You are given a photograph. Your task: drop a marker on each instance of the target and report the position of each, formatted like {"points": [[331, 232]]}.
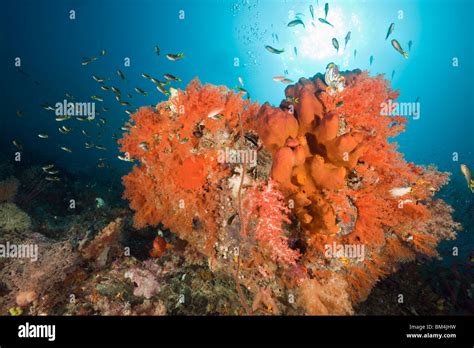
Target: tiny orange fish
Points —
{"points": [[159, 247]]}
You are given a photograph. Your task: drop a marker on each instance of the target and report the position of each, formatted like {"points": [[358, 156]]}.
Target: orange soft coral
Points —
{"points": [[341, 183], [343, 180], [176, 144]]}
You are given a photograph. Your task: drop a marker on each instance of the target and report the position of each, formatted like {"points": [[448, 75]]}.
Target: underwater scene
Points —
{"points": [[236, 157]]}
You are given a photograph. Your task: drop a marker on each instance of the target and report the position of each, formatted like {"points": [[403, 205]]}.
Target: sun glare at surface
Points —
{"points": [[315, 41]]}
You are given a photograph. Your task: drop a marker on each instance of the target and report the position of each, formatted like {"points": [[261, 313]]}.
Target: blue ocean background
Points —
{"points": [[223, 40]]}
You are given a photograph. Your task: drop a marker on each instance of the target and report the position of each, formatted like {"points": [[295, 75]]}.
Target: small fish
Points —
{"points": [[326, 10], [293, 100], [105, 109], [64, 148], [98, 79], [47, 167], [102, 120], [115, 90], [120, 74], [467, 175], [399, 48], [347, 38], [240, 89], [129, 95], [174, 57], [96, 97], [274, 50], [355, 53], [52, 172], [61, 118], [17, 145], [216, 117], [129, 112], [47, 107], [400, 191], [101, 147], [296, 22], [335, 44], [241, 81], [157, 50], [393, 74], [124, 158], [170, 77], [43, 136], [125, 103], [64, 129], [24, 73], [390, 30], [322, 20], [88, 145], [52, 178], [144, 146], [371, 60], [311, 10], [158, 82], [162, 90], [287, 81], [146, 76], [88, 61], [85, 133], [296, 51], [410, 43], [103, 52], [105, 88], [278, 78], [215, 112], [118, 98]]}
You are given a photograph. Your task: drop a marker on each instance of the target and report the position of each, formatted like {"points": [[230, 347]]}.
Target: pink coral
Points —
{"points": [[265, 204]]}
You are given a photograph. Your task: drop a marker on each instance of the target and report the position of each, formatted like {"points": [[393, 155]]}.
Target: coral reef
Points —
{"points": [[340, 171], [8, 189], [179, 175], [13, 219], [98, 249], [29, 281], [327, 176]]}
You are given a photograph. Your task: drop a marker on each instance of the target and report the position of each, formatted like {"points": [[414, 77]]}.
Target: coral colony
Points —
{"points": [[328, 208]]}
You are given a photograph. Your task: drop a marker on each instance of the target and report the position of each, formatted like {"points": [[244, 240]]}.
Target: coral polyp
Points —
{"points": [[328, 209]]}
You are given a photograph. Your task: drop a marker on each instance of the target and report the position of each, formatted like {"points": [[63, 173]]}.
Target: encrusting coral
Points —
{"points": [[99, 248], [336, 179], [8, 189], [13, 219]]}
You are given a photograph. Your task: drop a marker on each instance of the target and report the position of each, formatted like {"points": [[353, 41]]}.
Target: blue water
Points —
{"points": [[214, 35]]}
